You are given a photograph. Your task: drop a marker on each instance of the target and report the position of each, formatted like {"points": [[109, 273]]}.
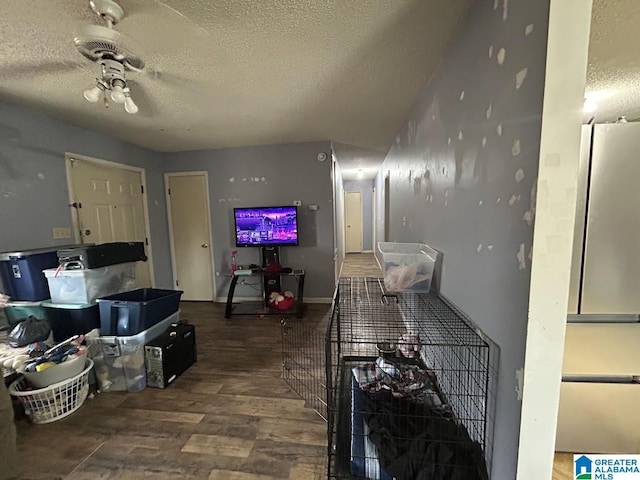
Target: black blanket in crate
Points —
{"points": [[417, 442], [415, 435]]}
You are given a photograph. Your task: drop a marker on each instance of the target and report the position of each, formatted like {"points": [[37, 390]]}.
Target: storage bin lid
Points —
{"points": [[23, 304], [5, 256], [68, 306], [140, 338], [406, 248]]}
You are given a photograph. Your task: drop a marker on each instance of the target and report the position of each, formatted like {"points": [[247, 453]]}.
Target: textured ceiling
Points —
{"points": [[613, 75], [226, 73]]}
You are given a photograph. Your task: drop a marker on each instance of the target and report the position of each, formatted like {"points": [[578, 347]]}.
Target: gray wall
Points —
{"points": [[365, 187], [34, 196], [462, 176], [269, 175]]}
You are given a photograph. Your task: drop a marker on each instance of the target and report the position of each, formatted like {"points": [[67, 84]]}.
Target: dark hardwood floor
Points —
{"points": [[231, 416]]}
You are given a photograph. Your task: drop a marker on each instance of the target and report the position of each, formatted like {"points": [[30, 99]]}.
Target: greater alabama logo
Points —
{"points": [[607, 467]]}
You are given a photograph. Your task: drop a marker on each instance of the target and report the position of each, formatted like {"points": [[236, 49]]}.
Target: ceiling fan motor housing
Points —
{"points": [[98, 43], [113, 72]]}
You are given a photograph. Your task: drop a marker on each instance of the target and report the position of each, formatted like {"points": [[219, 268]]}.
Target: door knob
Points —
{"points": [[87, 232], [205, 245]]}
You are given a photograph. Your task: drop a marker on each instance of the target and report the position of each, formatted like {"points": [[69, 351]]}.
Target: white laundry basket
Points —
{"points": [[56, 401]]}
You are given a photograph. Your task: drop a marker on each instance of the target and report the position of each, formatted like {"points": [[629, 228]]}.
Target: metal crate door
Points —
{"points": [[304, 364]]}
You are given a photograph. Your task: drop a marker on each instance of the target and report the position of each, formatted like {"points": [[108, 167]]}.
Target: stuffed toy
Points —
{"points": [[281, 300]]}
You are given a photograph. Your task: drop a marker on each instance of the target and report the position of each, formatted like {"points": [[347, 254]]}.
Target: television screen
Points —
{"points": [[264, 226]]}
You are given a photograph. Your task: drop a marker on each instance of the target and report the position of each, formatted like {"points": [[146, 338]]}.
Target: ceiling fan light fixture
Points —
{"points": [[130, 106], [93, 94], [117, 94], [108, 48]]}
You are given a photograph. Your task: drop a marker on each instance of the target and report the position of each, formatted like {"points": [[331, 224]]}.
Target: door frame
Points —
{"points": [[68, 159], [174, 269], [374, 210], [361, 221], [387, 207]]}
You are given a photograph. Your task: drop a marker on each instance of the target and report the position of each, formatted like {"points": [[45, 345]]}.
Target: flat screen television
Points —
{"points": [[266, 226]]}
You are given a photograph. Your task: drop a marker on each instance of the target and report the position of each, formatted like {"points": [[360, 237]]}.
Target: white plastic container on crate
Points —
{"points": [[85, 286], [119, 361], [408, 267]]}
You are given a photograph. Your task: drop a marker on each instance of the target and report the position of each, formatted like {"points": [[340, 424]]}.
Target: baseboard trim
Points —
{"points": [[257, 299], [239, 299], [367, 251]]}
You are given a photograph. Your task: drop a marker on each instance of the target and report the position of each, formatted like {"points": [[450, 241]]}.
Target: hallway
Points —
{"points": [[360, 265]]}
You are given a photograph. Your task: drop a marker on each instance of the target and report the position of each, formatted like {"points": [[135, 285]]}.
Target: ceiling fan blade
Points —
{"points": [[9, 134], [20, 70], [169, 78], [7, 167]]}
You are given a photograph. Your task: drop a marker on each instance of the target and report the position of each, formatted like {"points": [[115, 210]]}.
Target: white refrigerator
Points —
{"points": [[600, 392]]}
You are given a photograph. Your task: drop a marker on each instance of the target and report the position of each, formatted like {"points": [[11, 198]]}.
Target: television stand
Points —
{"points": [[270, 282], [262, 307]]}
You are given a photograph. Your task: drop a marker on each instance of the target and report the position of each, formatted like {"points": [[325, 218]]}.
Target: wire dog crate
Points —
{"points": [[409, 385]]}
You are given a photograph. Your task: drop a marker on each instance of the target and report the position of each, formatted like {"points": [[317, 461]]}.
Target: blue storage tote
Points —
{"points": [[22, 275], [129, 313], [67, 320]]}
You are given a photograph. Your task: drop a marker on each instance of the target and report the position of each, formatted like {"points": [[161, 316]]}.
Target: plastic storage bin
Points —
{"points": [[19, 311], [22, 275], [67, 320], [70, 368], [132, 312], [85, 286], [408, 267], [119, 361]]}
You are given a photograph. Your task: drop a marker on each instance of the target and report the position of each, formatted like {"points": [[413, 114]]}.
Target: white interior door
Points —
{"points": [[353, 221], [110, 207], [190, 232]]}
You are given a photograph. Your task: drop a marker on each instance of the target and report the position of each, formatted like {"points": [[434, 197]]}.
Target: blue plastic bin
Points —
{"points": [[129, 313], [67, 320], [22, 275]]}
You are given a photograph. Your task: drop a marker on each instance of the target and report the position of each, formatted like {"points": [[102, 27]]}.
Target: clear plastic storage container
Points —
{"points": [[85, 286], [119, 361], [408, 267]]}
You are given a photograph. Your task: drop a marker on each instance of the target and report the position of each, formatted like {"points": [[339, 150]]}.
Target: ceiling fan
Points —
{"points": [[109, 48]]}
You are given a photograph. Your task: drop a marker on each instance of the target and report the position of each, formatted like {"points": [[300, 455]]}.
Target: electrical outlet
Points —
{"points": [[297, 203], [313, 206], [61, 232]]}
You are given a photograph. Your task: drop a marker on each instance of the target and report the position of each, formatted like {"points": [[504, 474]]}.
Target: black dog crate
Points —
{"points": [[406, 383]]}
